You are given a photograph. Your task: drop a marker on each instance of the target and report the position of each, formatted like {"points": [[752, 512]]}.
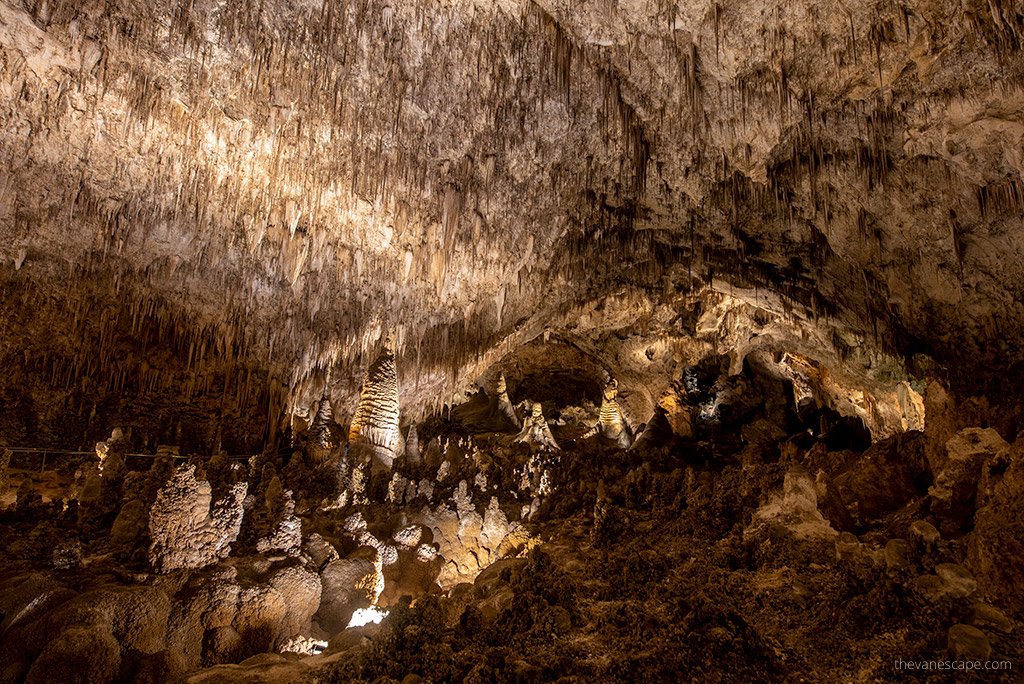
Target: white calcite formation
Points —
{"points": [[467, 540]]}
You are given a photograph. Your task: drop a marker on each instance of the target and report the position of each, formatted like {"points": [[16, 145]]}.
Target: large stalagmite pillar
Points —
{"points": [[610, 423], [501, 405], [321, 442], [375, 425]]}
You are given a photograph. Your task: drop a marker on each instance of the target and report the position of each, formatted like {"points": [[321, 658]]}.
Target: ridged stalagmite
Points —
{"points": [[321, 442], [610, 423], [375, 424]]}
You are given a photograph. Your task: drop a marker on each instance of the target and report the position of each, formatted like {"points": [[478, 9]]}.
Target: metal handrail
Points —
{"points": [[45, 452]]}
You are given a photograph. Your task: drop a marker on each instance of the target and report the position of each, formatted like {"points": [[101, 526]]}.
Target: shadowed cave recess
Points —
{"points": [[511, 341]]}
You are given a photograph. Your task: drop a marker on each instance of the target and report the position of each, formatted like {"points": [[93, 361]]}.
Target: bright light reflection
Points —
{"points": [[364, 616]]}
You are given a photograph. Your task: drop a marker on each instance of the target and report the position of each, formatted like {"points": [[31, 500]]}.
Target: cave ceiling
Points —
{"points": [[277, 185]]}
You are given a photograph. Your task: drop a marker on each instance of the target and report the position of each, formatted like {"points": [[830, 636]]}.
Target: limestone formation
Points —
{"points": [[794, 510], [129, 524], [302, 591], [793, 233], [996, 545], [957, 475], [319, 550], [610, 424], [375, 424], [412, 446], [501, 406], [321, 441], [348, 584], [468, 541], [677, 410], [535, 430], [656, 432], [911, 407], [189, 530], [284, 532]]}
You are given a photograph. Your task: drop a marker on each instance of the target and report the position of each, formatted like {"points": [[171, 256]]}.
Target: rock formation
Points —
{"points": [[501, 406], [610, 424], [189, 530], [535, 429], [375, 424], [791, 232], [321, 441], [283, 527]]}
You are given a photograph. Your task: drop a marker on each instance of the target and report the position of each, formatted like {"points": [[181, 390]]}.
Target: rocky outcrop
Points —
{"points": [[958, 473], [890, 474], [189, 530], [996, 548], [794, 510]]}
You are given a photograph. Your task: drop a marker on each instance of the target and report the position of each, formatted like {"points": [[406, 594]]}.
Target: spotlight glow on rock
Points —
{"points": [[365, 616]]}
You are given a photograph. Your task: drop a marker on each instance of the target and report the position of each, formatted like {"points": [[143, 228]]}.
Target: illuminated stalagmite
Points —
{"points": [[374, 428], [610, 423], [536, 431]]}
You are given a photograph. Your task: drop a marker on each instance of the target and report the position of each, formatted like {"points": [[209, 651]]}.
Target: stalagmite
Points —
{"points": [[610, 424], [374, 431], [321, 441], [535, 429], [412, 446], [500, 405]]}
